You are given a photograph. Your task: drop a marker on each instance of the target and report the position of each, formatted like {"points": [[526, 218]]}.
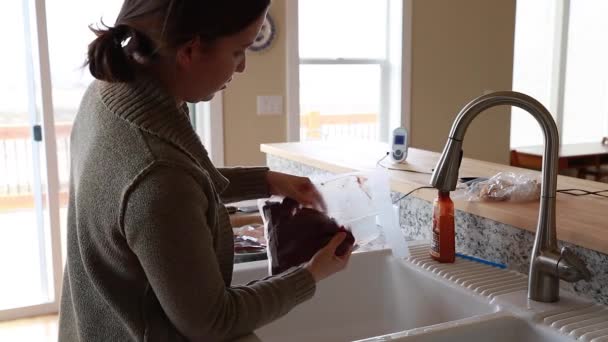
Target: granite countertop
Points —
{"points": [[580, 220]]}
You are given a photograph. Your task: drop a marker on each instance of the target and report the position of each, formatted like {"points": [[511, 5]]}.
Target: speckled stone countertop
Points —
{"points": [[579, 220], [477, 236]]}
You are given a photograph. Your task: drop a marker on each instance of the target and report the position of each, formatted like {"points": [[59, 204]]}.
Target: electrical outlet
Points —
{"points": [[270, 105]]}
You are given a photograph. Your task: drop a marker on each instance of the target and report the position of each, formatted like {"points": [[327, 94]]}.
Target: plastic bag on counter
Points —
{"points": [[504, 186], [358, 202]]}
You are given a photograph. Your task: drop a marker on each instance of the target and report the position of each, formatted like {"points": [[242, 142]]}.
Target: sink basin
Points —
{"points": [[383, 298], [376, 295], [495, 328]]}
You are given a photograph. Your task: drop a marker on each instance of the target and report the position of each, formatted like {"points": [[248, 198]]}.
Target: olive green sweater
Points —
{"points": [[150, 247]]}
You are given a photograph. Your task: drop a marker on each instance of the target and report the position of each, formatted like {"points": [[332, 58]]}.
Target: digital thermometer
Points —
{"points": [[399, 144]]}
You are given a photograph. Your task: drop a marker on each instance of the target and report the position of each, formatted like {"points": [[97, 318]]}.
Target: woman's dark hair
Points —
{"points": [[119, 52]]}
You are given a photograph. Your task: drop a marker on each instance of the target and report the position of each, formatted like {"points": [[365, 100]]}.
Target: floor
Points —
{"points": [[38, 329]]}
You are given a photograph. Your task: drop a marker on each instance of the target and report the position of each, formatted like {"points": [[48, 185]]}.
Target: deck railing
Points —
{"points": [[17, 165], [317, 126]]}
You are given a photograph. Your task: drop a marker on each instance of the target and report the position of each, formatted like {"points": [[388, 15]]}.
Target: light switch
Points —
{"points": [[270, 105]]}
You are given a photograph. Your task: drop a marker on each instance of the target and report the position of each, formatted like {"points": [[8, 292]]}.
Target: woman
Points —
{"points": [[150, 249]]}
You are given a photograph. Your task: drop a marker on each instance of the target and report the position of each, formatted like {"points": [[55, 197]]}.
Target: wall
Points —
{"points": [[459, 49], [265, 74]]}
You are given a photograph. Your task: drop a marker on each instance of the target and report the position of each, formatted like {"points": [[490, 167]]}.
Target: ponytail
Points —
{"points": [[107, 59]]}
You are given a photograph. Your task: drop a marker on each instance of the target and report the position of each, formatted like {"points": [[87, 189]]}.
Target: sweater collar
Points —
{"points": [[145, 104]]}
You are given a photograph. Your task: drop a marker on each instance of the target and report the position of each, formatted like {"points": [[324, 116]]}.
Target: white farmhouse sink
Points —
{"points": [[495, 328], [377, 294], [382, 298]]}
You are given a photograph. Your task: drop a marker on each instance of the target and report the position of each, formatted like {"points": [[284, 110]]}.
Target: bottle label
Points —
{"points": [[435, 244]]}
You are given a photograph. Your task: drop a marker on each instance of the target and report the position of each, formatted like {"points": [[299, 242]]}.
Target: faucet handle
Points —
{"points": [[570, 267]]}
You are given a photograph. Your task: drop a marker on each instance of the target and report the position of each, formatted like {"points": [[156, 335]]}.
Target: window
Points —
{"points": [[585, 116], [349, 58], [561, 59]]}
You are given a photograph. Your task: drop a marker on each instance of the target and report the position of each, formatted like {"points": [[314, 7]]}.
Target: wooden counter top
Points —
{"points": [[582, 220]]}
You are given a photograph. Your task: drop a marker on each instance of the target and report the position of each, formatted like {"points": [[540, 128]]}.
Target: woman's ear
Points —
{"points": [[188, 53]]}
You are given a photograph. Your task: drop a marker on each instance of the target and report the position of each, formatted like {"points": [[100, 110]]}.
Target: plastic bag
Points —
{"points": [[359, 201], [505, 186], [295, 234], [350, 201], [249, 239]]}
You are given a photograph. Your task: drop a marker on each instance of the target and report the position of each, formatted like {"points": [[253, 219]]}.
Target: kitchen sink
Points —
{"points": [[383, 298], [495, 328], [377, 294]]}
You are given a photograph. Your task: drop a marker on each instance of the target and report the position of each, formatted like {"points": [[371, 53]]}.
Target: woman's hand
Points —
{"points": [[325, 262], [300, 189]]}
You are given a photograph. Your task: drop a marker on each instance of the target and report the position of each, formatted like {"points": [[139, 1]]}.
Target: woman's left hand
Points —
{"points": [[300, 189]]}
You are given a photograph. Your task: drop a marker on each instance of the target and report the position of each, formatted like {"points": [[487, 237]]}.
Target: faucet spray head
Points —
{"points": [[445, 174]]}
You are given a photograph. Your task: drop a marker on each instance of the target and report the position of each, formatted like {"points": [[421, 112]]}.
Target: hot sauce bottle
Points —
{"points": [[443, 244]]}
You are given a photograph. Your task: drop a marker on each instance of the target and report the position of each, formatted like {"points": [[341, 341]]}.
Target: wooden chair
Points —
{"points": [[600, 171]]}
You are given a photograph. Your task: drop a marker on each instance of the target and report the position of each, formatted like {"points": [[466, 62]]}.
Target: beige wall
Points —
{"points": [[265, 74], [459, 49]]}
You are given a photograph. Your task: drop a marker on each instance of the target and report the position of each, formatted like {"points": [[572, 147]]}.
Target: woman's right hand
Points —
{"points": [[325, 262]]}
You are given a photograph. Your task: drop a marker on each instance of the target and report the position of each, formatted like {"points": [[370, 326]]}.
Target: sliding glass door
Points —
{"points": [[29, 258], [42, 83]]}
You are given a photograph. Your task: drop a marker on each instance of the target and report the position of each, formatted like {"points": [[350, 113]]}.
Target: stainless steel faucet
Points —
{"points": [[547, 263]]}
